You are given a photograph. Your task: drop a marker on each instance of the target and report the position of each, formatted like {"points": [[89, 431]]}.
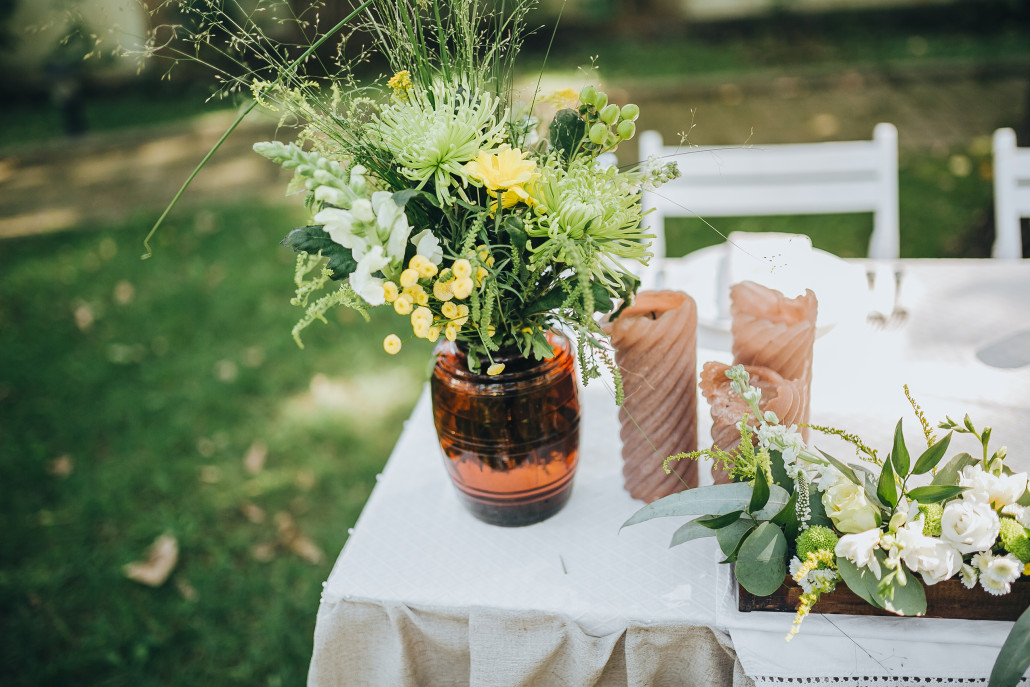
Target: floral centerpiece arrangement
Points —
{"points": [[442, 195], [886, 527]]}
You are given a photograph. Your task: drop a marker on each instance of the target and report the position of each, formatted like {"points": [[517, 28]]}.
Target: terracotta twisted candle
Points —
{"points": [[655, 343]]}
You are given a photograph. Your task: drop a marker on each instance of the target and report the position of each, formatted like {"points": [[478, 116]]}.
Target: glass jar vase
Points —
{"points": [[510, 441]]}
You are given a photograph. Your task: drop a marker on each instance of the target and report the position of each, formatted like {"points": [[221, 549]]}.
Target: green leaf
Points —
{"points": [[787, 518], [760, 566], [778, 498], [887, 488], [779, 472], [515, 229], [931, 456], [602, 299], [626, 291], [760, 495], [715, 522], [815, 504], [566, 132], [690, 531], [844, 469], [861, 580], [907, 599], [899, 456], [716, 499], [313, 239], [402, 197], [935, 493], [730, 538], [950, 472], [1014, 657]]}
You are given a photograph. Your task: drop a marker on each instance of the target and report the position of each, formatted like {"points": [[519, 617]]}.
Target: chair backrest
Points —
{"points": [[780, 179], [1011, 193]]}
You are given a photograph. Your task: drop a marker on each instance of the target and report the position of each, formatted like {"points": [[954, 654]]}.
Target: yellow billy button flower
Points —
{"points": [[392, 344], [421, 329], [390, 291], [495, 369], [462, 268], [422, 314], [442, 290], [462, 288], [450, 331], [409, 277], [417, 294], [402, 304], [481, 274], [433, 334], [449, 310], [463, 315], [423, 266]]}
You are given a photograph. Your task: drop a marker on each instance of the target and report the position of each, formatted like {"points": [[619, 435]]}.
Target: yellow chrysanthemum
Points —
{"points": [[392, 344], [504, 171]]}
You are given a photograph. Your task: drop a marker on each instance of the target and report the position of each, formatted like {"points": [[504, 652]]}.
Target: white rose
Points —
{"points": [[859, 547], [997, 490], [846, 504], [933, 558], [969, 525]]}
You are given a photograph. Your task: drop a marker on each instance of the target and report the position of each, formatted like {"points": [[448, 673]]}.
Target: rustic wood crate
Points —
{"points": [[948, 599]]}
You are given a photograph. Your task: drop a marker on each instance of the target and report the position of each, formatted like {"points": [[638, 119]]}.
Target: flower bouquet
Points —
{"points": [[492, 225], [886, 527]]}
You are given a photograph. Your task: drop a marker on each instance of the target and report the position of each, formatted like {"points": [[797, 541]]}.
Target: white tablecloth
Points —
{"points": [[425, 594]]}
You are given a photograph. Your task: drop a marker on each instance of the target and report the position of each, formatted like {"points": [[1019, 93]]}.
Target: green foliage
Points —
{"points": [[948, 475], [931, 456], [932, 513], [760, 567], [314, 241], [1014, 657], [1013, 537]]}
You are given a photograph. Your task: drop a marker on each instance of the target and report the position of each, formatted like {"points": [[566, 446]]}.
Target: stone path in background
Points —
{"points": [[113, 177]]}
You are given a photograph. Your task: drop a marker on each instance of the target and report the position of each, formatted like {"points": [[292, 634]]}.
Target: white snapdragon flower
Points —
{"points": [[391, 225], [428, 246], [969, 525], [847, 506], [859, 548], [935, 559], [997, 573], [361, 280], [340, 225], [996, 490]]}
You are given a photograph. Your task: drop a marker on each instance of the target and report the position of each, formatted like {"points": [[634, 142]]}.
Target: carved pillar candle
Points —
{"points": [[655, 342], [773, 331]]}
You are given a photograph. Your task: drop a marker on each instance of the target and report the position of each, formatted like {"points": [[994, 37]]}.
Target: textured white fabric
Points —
{"points": [[425, 594]]}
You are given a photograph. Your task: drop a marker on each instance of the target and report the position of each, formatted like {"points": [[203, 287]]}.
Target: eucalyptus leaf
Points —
{"points": [[1014, 657], [787, 518], [950, 472], [887, 488], [932, 456], [899, 455], [690, 531], [760, 493], [716, 499], [760, 566], [778, 498], [815, 504], [908, 598], [730, 538], [779, 471], [715, 522], [862, 581], [935, 493]]}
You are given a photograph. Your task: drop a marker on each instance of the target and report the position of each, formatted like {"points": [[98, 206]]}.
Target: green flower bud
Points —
{"points": [[932, 513], [599, 133], [630, 112], [815, 538], [609, 114], [588, 95], [626, 129], [601, 100]]}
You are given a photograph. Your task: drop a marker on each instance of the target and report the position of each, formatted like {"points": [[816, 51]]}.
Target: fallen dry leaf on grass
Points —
{"points": [[254, 461], [185, 589], [162, 556], [291, 537], [62, 466], [253, 513]]}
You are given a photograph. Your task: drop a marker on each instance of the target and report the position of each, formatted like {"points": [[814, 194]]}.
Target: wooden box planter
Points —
{"points": [[948, 599]]}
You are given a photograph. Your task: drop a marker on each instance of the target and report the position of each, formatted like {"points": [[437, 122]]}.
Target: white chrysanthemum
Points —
{"points": [[997, 573], [968, 575], [432, 135]]}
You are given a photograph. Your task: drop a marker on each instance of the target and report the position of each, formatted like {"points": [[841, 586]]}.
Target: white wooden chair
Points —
{"points": [[1011, 194], [780, 179]]}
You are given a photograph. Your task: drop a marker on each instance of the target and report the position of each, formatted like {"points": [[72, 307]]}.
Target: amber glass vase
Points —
{"points": [[510, 441]]}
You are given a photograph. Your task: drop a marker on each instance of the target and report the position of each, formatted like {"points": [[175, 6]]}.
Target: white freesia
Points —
{"points": [[859, 548], [846, 504], [935, 559], [361, 280], [996, 490], [997, 573], [428, 246], [969, 525]]}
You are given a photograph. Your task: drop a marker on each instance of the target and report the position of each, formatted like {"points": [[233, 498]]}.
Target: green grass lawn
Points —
{"points": [[130, 393]]}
